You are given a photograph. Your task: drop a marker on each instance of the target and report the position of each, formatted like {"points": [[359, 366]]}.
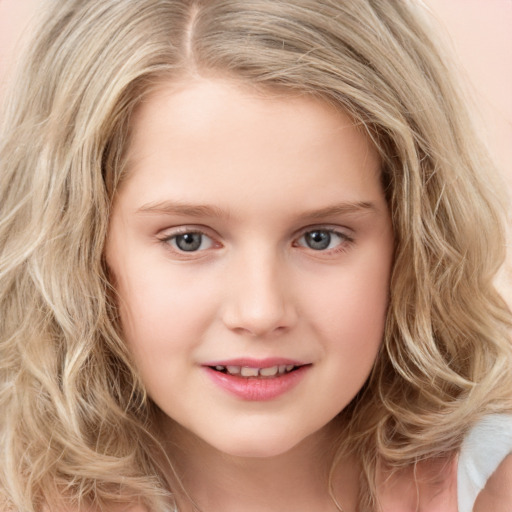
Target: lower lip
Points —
{"points": [[257, 389]]}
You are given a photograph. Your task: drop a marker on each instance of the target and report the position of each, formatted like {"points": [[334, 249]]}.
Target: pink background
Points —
{"points": [[478, 31]]}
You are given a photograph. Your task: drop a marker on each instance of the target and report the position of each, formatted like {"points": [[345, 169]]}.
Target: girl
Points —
{"points": [[247, 263]]}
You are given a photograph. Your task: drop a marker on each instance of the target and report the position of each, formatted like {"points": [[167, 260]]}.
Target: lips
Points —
{"points": [[256, 380]]}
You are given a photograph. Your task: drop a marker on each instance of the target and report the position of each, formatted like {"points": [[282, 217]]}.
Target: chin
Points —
{"points": [[256, 444]]}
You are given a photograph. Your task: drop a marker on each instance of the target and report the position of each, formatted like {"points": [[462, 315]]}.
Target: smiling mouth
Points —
{"points": [[248, 372], [257, 381]]}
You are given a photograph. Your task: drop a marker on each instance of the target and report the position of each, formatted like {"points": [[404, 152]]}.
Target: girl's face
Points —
{"points": [[251, 246]]}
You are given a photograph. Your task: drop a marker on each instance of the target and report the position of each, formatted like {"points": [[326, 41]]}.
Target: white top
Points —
{"points": [[483, 450]]}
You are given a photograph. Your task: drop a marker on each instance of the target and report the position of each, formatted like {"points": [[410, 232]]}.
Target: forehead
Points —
{"points": [[208, 135]]}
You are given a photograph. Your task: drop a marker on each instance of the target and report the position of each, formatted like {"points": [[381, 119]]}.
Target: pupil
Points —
{"points": [[189, 241], [318, 240]]}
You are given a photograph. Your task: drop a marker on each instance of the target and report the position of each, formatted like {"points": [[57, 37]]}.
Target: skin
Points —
{"points": [[497, 493], [269, 169], [429, 487], [251, 176]]}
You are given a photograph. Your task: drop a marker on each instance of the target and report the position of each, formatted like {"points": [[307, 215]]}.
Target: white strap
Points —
{"points": [[483, 450]]}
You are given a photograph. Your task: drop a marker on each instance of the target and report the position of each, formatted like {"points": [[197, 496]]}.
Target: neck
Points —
{"points": [[296, 480]]}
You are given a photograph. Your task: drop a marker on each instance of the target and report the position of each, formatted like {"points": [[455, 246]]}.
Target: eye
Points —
{"points": [[322, 239], [189, 242]]}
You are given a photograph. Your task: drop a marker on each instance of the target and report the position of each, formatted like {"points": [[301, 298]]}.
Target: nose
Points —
{"points": [[259, 298]]}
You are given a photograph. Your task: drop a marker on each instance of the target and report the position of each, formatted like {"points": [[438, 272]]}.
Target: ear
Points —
{"points": [[497, 493]]}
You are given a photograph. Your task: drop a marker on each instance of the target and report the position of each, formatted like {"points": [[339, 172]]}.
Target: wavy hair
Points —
{"points": [[76, 422]]}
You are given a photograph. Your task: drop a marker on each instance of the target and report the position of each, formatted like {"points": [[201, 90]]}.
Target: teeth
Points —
{"points": [[246, 371], [269, 372], [249, 372]]}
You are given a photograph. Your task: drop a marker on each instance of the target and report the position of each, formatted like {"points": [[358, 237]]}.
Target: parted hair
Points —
{"points": [[75, 421]]}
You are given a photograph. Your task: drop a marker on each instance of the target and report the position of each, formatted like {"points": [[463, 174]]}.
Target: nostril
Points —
{"points": [[260, 322], [258, 302]]}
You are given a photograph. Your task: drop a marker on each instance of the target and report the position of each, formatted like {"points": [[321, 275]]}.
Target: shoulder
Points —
{"points": [[485, 463], [497, 493]]}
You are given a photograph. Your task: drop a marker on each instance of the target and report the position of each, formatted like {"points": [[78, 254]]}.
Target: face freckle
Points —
{"points": [[252, 248]]}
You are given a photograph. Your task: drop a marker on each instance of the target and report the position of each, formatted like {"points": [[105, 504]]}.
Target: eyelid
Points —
{"points": [[343, 231], [345, 234], [166, 235], [171, 231]]}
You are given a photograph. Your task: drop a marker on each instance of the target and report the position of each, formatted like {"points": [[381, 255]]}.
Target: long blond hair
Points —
{"points": [[75, 419]]}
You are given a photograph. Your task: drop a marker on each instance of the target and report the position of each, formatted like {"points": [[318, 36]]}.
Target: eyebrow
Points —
{"points": [[205, 210], [184, 209], [342, 209]]}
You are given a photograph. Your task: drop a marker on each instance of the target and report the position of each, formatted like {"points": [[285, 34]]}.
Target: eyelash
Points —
{"points": [[168, 240], [345, 240], [342, 246]]}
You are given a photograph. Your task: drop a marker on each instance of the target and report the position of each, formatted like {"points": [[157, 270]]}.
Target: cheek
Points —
{"points": [[163, 313], [349, 311], [355, 299]]}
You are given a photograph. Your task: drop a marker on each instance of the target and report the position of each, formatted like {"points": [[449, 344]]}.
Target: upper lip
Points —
{"points": [[250, 362]]}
